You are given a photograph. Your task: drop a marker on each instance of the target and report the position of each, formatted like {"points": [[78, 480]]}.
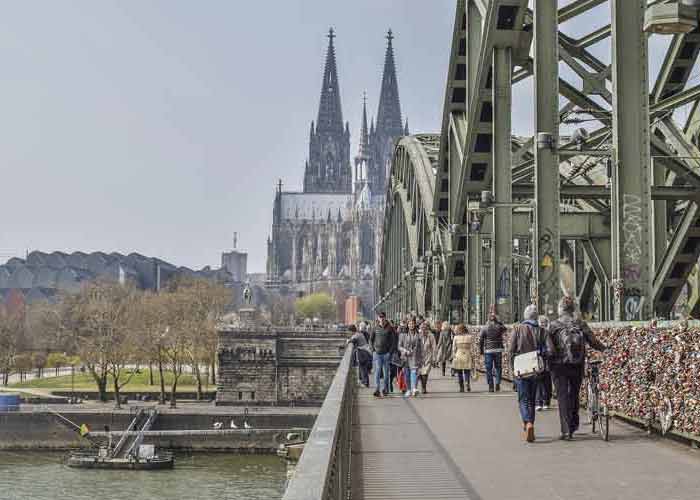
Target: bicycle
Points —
{"points": [[597, 413]]}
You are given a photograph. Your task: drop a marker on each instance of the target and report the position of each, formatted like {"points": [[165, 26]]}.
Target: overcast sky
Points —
{"points": [[162, 126]]}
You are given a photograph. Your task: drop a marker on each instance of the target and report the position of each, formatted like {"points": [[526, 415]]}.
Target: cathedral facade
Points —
{"points": [[325, 237]]}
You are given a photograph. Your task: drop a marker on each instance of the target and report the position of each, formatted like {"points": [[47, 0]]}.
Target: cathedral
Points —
{"points": [[325, 238]]}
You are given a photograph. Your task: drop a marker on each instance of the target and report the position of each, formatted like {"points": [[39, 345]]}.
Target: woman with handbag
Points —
{"points": [[429, 347], [462, 359], [525, 342], [411, 349]]}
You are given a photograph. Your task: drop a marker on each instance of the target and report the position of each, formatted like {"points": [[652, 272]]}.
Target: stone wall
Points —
{"points": [[265, 366], [34, 430]]}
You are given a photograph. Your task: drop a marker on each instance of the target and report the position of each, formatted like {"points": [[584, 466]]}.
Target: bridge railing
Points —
{"points": [[323, 471]]}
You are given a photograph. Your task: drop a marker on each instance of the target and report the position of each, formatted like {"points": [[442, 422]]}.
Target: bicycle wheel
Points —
{"points": [[591, 406], [604, 424]]}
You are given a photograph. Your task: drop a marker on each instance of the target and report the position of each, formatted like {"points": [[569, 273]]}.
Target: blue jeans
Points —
{"points": [[527, 390], [414, 379], [493, 360], [381, 364]]}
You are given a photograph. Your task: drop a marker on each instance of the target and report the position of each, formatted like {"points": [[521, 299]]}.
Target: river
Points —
{"points": [[42, 476]]}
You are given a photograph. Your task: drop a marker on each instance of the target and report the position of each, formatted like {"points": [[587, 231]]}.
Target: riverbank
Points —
{"points": [[188, 428]]}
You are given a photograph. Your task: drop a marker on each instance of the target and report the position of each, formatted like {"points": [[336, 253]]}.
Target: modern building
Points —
{"points": [[324, 238], [42, 276]]}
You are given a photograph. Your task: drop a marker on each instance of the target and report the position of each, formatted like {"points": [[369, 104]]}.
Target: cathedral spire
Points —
{"points": [[389, 120], [329, 169], [364, 132], [330, 114]]}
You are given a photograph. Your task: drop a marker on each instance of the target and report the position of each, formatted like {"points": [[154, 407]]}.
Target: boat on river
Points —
{"points": [[102, 460], [129, 453]]}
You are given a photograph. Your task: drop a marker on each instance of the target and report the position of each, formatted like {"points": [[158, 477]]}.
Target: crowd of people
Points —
{"points": [[401, 357]]}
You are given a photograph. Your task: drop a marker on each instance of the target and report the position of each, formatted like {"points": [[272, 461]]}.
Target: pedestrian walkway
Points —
{"points": [[447, 445]]}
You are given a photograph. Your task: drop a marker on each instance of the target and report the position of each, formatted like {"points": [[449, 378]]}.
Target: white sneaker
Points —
{"points": [[407, 394], [545, 407], [538, 408], [414, 393]]}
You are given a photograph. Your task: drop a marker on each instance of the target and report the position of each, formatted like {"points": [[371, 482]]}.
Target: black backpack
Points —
{"points": [[572, 344]]}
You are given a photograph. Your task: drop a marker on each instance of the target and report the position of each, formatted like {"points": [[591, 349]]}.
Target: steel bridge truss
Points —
{"points": [[478, 216]]}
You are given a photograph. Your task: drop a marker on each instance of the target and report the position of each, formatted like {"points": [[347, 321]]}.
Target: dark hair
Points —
{"points": [[382, 314], [352, 328]]}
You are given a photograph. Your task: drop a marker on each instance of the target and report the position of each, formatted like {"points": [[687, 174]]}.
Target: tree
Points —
{"points": [[317, 305], [207, 302], [56, 360], [153, 314], [99, 319], [12, 328], [39, 363], [176, 342]]}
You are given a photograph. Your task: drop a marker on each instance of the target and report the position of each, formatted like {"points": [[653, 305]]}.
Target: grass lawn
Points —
{"points": [[138, 383]]}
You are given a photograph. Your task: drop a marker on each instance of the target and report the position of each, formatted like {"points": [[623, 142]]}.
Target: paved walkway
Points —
{"points": [[447, 445]]}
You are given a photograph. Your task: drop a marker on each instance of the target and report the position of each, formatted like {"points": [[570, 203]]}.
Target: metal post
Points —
{"points": [[500, 290], [660, 216], [631, 174], [546, 257]]}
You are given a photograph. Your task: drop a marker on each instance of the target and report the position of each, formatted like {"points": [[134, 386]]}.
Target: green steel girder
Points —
{"points": [[409, 224], [470, 137]]}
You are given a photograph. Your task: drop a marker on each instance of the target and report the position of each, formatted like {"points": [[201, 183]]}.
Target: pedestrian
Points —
{"points": [[429, 354], [462, 359], [491, 347], [566, 349], [364, 328], [526, 338], [544, 381], [444, 346], [411, 349], [381, 343], [395, 362], [436, 329], [362, 355]]}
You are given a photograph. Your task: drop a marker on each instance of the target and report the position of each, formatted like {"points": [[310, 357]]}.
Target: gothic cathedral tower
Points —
{"points": [[328, 169]]}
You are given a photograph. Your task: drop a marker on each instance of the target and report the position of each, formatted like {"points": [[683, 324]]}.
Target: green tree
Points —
{"points": [[317, 305], [57, 360]]}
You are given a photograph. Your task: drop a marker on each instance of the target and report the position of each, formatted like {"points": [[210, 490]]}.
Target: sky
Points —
{"points": [[162, 126]]}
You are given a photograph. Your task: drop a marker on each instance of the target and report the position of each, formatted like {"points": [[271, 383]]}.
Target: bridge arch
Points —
{"points": [[411, 265]]}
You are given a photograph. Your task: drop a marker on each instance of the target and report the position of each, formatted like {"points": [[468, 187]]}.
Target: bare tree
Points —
{"points": [[99, 319], [12, 328], [153, 324]]}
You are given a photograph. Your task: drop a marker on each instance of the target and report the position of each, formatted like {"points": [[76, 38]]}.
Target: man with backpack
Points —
{"points": [[566, 350]]}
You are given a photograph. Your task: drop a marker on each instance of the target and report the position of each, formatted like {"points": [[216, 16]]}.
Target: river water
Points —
{"points": [[42, 476]]}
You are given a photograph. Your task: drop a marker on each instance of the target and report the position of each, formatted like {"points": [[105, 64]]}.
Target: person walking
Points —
{"points": [[491, 347], [526, 338], [381, 343], [462, 359], [429, 347], [544, 381], [362, 354], [395, 362], [444, 346], [566, 349], [364, 328], [411, 349]]}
